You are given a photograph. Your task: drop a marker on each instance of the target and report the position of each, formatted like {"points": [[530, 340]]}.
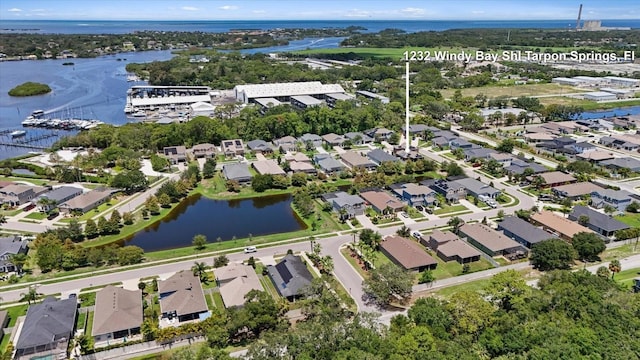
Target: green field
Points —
{"points": [[625, 277], [588, 104], [514, 91], [630, 219]]}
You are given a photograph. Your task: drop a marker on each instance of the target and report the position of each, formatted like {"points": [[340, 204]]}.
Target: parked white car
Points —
{"points": [[250, 249]]}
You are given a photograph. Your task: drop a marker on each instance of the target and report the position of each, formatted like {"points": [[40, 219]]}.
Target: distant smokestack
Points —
{"points": [[579, 15]]}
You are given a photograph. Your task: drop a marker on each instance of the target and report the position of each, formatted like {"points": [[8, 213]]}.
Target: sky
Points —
{"points": [[316, 10]]}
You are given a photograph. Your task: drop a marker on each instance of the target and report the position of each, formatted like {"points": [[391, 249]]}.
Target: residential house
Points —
{"points": [[379, 134], [619, 199], [379, 156], [558, 225], [259, 146], [459, 251], [460, 143], [478, 153], [18, 194], [328, 164], [310, 140], [181, 299], [87, 201], [622, 142], [537, 137], [117, 315], [438, 238], [238, 172], [346, 205], [235, 282], [382, 202], [446, 134], [502, 158], [576, 190], [420, 129], [290, 277], [354, 160], [557, 143], [522, 231], [451, 190], [232, 148], [358, 138], [518, 167], [440, 142], [287, 143], [55, 197], [490, 241], [595, 156], [268, 167], [478, 188], [175, 154], [296, 156], [9, 246], [601, 223], [334, 139], [204, 150], [412, 155], [555, 178], [407, 253], [416, 194], [47, 330], [621, 163], [303, 167]]}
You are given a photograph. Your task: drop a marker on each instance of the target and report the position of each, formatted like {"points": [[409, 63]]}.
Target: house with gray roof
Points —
{"points": [[117, 315], [354, 160], [460, 143], [346, 205], [290, 277], [419, 129], [175, 154], [182, 299], [379, 134], [18, 194], [286, 143], [621, 163], [602, 224], [619, 199], [448, 135], [478, 153], [328, 164], [522, 231], [518, 167], [440, 142], [47, 329], [238, 172], [489, 241], [358, 138], [415, 194], [259, 146], [310, 139], [87, 201], [333, 139], [55, 197], [451, 190], [478, 188], [576, 190], [379, 156], [9, 246]]}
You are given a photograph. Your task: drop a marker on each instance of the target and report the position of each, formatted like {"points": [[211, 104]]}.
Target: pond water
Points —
{"points": [[215, 219], [23, 172]]}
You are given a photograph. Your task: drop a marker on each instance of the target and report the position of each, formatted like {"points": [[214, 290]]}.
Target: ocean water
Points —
{"points": [[123, 27]]}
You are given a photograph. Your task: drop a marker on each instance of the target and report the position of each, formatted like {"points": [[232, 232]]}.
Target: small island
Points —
{"points": [[30, 89]]}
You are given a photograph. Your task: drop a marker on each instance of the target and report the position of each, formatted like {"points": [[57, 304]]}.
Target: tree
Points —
{"points": [[583, 220], [199, 241], [470, 312], [130, 181], [452, 169], [426, 277], [19, 260], [387, 283], [370, 238], [501, 214], [151, 204], [232, 186], [199, 269], [49, 254], [455, 223], [299, 179], [608, 209], [115, 218], [159, 163], [588, 245], [164, 200], [142, 285], [220, 261], [603, 272], [91, 229], [127, 218], [209, 168], [552, 254], [403, 231], [260, 183], [129, 255], [31, 295], [634, 207], [615, 267], [506, 146], [508, 290]]}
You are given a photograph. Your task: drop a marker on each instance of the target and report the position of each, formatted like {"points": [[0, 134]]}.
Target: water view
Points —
{"points": [[215, 219]]}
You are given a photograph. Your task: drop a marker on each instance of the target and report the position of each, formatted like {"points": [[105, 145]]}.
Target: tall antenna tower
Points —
{"points": [[579, 15]]}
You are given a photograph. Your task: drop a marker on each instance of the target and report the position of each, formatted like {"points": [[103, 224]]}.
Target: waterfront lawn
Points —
{"points": [[447, 209], [215, 188]]}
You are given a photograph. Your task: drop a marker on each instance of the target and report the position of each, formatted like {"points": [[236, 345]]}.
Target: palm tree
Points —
{"points": [[30, 296], [615, 267], [455, 222], [404, 231], [45, 203], [200, 270]]}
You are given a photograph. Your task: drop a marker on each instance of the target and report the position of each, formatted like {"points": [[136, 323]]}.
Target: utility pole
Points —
{"points": [[406, 125]]}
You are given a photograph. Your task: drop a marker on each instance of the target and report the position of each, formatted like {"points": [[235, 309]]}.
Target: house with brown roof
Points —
{"points": [[87, 201], [437, 238], [489, 241], [117, 315], [354, 160], [297, 156], [555, 178], [18, 194], [333, 139], [204, 150], [175, 154], [181, 299], [459, 251], [576, 190], [235, 281], [382, 202], [232, 148], [563, 227], [268, 167], [303, 167], [407, 253]]}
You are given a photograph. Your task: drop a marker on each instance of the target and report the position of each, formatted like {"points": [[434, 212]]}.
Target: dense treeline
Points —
{"points": [[571, 316], [507, 39]]}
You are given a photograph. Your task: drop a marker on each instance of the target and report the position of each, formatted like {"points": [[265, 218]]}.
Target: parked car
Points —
{"points": [[420, 208], [404, 215], [250, 249], [417, 235], [492, 204]]}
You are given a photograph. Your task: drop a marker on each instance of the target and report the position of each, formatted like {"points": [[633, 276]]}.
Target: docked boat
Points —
{"points": [[128, 109], [18, 133], [140, 113]]}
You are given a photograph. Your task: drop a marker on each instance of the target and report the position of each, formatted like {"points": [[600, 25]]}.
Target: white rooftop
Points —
{"points": [[252, 91], [168, 100]]}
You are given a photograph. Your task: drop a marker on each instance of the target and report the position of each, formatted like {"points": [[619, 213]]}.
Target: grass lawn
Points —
{"points": [[630, 219], [37, 215], [513, 91], [453, 268], [81, 321], [217, 300], [588, 104], [346, 252], [620, 252], [89, 325], [38, 182], [13, 212], [449, 209], [4, 343], [502, 261], [625, 277], [468, 286], [15, 312], [87, 299]]}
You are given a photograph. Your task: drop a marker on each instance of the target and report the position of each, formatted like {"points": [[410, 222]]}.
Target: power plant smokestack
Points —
{"points": [[579, 15]]}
